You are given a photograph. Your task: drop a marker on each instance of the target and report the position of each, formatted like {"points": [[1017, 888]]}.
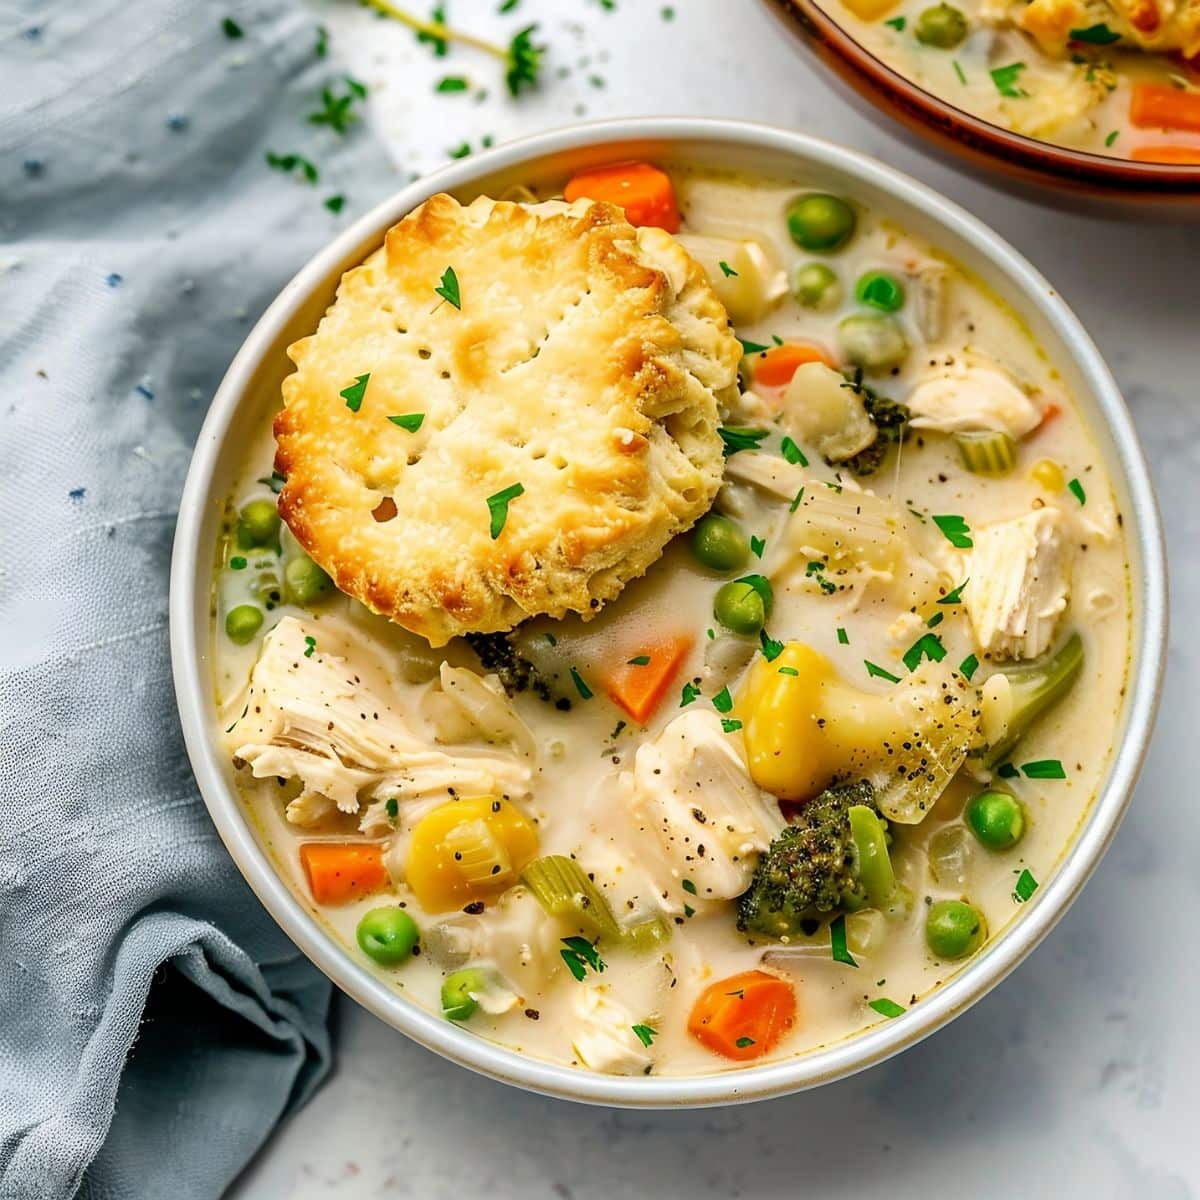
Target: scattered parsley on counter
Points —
{"points": [[449, 288], [338, 111], [877, 672], [451, 83], [231, 29], [410, 421], [1076, 490], [726, 269], [837, 941], [579, 954], [887, 1008], [321, 49], [353, 395], [1044, 768], [507, 6], [1026, 886], [955, 530], [335, 204], [498, 506], [289, 162], [928, 646], [645, 1034], [737, 438], [1005, 79], [585, 692]]}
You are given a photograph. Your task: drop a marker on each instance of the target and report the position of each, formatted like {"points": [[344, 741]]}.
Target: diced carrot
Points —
{"points": [[639, 684], [339, 872], [775, 366], [1181, 155], [1051, 411], [643, 191], [744, 1016], [1161, 106]]}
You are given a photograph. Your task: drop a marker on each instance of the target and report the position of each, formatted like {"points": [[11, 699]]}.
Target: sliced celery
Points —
{"points": [[875, 874], [1033, 689], [990, 453], [563, 889]]}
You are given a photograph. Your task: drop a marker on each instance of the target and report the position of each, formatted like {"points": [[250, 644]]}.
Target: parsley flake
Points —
{"points": [[959, 72], [321, 49], [935, 620], [843, 637], [690, 692], [410, 421], [726, 269], [1095, 35], [451, 83], [1026, 886], [1008, 771], [723, 701], [887, 1008], [955, 530], [1112, 137], [771, 648], [1076, 490], [1044, 768], [231, 29], [523, 62], [737, 438], [644, 1033], [689, 887], [336, 111], [929, 646], [757, 545], [954, 597], [730, 724], [968, 667], [585, 692], [289, 162], [795, 504], [837, 941], [897, 23], [310, 644], [877, 672], [579, 954], [641, 660], [788, 671], [498, 506], [743, 1042], [335, 204], [353, 395], [751, 347], [1005, 79], [449, 288], [792, 453], [392, 808]]}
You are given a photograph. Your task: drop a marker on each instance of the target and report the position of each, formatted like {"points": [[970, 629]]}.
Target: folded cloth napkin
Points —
{"points": [[154, 1022]]}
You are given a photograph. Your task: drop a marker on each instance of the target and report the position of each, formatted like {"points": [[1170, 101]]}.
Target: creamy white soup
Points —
{"points": [[793, 776]]}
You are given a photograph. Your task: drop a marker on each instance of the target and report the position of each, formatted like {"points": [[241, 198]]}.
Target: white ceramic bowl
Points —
{"points": [[250, 391]]}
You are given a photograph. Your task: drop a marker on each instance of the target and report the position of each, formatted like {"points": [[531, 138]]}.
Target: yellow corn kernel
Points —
{"points": [[456, 849], [870, 10], [1046, 473]]}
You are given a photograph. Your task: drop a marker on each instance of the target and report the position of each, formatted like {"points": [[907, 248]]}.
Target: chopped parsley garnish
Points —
{"points": [[310, 644], [585, 692], [579, 954], [448, 290], [641, 660], [507, 6], [737, 438], [237, 563], [751, 347], [689, 887], [968, 667], [744, 1042], [1026, 886], [1005, 79], [460, 151], [788, 671], [498, 507], [814, 570], [796, 499], [959, 72], [289, 162], [757, 545], [231, 29], [644, 1034], [887, 1008], [353, 395], [954, 597], [929, 646], [897, 23], [843, 637], [770, 647], [1044, 768], [690, 692], [762, 585], [936, 620], [1112, 137], [730, 724], [723, 701], [523, 61], [337, 111], [877, 672], [667, 13], [955, 530], [688, 911], [335, 203], [1076, 490], [451, 83], [392, 808], [1007, 771], [792, 453], [726, 269], [837, 941], [1095, 35], [321, 49], [410, 421]]}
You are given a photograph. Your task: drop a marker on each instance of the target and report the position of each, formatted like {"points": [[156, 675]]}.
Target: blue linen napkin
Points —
{"points": [[154, 1022]]}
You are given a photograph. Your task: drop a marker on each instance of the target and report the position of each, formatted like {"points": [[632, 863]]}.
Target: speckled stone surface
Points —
{"points": [[1079, 1076]]}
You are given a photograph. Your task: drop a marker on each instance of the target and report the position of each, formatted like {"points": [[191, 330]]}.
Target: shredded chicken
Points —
{"points": [[311, 715], [690, 793], [603, 1038], [1018, 584], [965, 393]]}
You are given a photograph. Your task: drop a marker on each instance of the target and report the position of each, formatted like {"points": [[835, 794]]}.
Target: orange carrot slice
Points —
{"points": [[744, 1016], [1180, 155], [776, 366], [1161, 106], [339, 872], [643, 191], [639, 684]]}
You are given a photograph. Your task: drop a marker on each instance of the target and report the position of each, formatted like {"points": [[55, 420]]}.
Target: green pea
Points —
{"points": [[242, 623], [457, 1002], [742, 607], [875, 343], [943, 26], [820, 222], [996, 818], [880, 290], [719, 543], [954, 929], [388, 935], [258, 524], [816, 286], [305, 580]]}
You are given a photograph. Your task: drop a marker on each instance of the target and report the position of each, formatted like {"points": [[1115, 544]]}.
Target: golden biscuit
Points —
{"points": [[529, 437]]}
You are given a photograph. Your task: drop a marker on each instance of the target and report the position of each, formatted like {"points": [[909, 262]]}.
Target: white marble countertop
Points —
{"points": [[1079, 1076]]}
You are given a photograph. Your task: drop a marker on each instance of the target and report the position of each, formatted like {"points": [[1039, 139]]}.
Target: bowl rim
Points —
{"points": [[189, 608], [901, 99]]}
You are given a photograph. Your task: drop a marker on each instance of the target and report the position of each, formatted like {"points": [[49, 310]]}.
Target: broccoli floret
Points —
{"points": [[891, 420], [496, 653], [808, 868]]}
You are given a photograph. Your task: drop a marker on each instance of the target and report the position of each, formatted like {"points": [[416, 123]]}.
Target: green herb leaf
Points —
{"points": [[310, 644], [954, 597], [392, 808], [959, 72], [507, 6], [929, 646], [321, 49], [523, 62], [690, 692], [1112, 137], [231, 29], [1005, 79], [887, 1008], [579, 954], [1044, 768], [877, 672], [585, 692], [353, 395], [498, 507], [751, 347], [452, 83], [289, 162], [1026, 886], [644, 1034], [1095, 35], [792, 453], [757, 545], [955, 530], [335, 111], [744, 1042], [730, 724], [1008, 771], [460, 151], [843, 637], [770, 647], [837, 941], [642, 660], [410, 421], [737, 438], [935, 620], [335, 204], [448, 290], [789, 671], [726, 269], [968, 667], [795, 504], [689, 887], [762, 585], [897, 23], [688, 911], [1076, 490], [723, 701]]}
